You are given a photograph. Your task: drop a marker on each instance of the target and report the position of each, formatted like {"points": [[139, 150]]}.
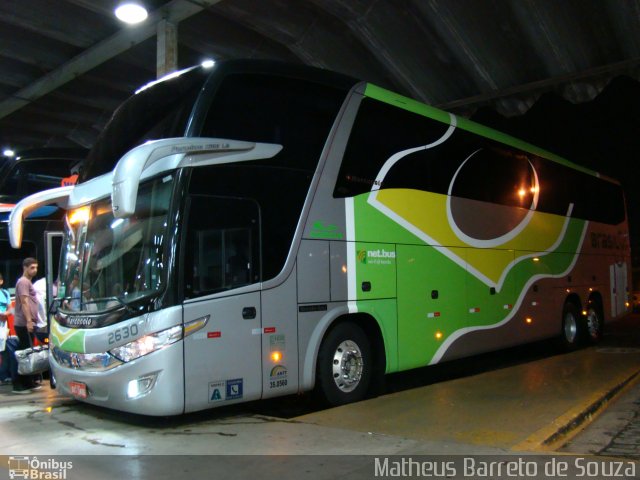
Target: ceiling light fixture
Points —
{"points": [[131, 12]]}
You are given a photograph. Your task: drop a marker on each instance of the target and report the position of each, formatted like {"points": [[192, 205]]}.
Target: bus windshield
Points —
{"points": [[161, 111], [109, 262]]}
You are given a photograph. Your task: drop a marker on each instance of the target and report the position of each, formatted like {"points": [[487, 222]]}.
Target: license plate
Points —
{"points": [[78, 389]]}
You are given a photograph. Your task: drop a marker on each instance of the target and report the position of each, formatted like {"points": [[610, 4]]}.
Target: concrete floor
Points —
{"points": [[513, 404]]}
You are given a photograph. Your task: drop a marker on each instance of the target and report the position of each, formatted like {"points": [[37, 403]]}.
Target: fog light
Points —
{"points": [[141, 385]]}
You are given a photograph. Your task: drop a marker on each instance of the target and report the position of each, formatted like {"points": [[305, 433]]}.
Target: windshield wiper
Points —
{"points": [[121, 303], [58, 303]]}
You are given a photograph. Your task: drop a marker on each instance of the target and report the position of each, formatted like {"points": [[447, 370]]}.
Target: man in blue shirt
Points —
{"points": [[5, 301]]}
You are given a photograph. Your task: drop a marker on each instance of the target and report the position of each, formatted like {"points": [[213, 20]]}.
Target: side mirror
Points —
{"points": [[24, 207], [163, 155]]}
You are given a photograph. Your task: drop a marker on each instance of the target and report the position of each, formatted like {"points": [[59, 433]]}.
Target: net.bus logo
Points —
{"points": [[380, 256], [38, 469]]}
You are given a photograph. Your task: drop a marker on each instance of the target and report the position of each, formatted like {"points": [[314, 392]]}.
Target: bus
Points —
{"points": [[31, 171], [270, 229]]}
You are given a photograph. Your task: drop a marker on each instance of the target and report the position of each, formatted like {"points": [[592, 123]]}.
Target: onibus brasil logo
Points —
{"points": [[38, 469]]}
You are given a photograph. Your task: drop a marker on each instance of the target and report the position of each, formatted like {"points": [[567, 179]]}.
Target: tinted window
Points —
{"points": [[161, 111], [291, 112], [223, 244], [381, 131], [278, 192], [467, 165], [297, 114], [593, 198]]}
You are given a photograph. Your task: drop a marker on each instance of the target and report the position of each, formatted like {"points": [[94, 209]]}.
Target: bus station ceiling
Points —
{"points": [[66, 65]]}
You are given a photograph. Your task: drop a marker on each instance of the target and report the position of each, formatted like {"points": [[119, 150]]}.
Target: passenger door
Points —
{"points": [[52, 248], [221, 271], [222, 361]]}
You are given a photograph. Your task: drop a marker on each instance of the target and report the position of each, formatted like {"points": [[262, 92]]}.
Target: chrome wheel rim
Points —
{"points": [[593, 323], [348, 366], [570, 327]]}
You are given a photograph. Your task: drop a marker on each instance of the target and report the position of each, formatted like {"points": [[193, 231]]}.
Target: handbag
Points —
{"points": [[33, 360]]}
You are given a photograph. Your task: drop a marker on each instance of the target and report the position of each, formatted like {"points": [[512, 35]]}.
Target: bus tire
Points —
{"points": [[571, 326], [344, 365], [594, 324]]}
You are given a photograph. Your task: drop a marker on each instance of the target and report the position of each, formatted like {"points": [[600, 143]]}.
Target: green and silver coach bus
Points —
{"points": [[269, 229]]}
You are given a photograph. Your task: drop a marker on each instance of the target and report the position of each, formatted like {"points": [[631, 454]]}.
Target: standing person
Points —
{"points": [[26, 317], [5, 303], [40, 287]]}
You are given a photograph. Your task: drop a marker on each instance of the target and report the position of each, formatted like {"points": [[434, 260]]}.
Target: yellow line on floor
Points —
{"points": [[565, 427]]}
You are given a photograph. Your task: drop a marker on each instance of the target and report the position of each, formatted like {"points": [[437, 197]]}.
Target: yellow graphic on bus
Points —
{"points": [[427, 216]]}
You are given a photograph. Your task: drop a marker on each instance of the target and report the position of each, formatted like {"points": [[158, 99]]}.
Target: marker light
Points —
{"points": [[276, 356], [195, 325], [131, 13], [529, 320], [536, 259], [438, 335], [79, 215], [584, 313]]}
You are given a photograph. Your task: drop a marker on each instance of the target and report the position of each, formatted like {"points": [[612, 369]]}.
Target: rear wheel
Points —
{"points": [[594, 324], [344, 364], [570, 334]]}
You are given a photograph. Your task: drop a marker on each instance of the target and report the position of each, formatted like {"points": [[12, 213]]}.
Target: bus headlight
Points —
{"points": [[147, 344]]}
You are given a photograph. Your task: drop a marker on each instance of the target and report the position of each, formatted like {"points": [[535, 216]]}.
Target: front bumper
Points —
{"points": [[109, 388]]}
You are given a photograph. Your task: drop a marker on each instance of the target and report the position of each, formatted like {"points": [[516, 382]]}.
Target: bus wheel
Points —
{"points": [[594, 324], [570, 335], [344, 364]]}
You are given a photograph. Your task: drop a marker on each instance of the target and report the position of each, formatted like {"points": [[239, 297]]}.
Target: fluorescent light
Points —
{"points": [[168, 76], [131, 13]]}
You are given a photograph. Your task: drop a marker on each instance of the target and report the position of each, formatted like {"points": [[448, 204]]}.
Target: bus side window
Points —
{"points": [[222, 246]]}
